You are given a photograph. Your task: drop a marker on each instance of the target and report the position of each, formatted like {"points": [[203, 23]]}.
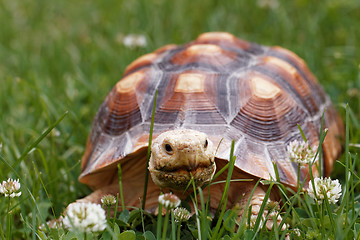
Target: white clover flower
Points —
{"points": [[52, 224], [10, 188], [297, 232], [108, 200], [85, 217], [301, 152], [181, 214], [169, 200], [332, 189], [272, 4], [134, 40], [55, 132]]}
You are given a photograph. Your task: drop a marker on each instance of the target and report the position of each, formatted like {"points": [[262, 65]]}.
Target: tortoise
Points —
{"points": [[210, 92]]}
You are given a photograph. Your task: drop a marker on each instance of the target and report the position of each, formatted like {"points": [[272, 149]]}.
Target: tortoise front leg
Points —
{"points": [[256, 202], [133, 191], [95, 197]]}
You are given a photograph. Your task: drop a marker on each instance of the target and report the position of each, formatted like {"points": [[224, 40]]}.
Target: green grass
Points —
{"points": [[63, 57]]}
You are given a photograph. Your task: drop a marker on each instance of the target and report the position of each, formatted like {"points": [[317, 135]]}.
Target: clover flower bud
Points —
{"points": [[169, 200], [181, 214], [300, 152], [10, 188], [108, 200]]}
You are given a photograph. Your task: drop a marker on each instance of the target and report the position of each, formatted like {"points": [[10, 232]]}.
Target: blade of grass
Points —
{"points": [[194, 200], [39, 139], [116, 207], [190, 183], [289, 210], [197, 218], [320, 217], [142, 218], [204, 224], [228, 219], [280, 186], [284, 197], [351, 171], [40, 216], [248, 219], [302, 133], [31, 227], [46, 192], [149, 152], [275, 229], [319, 150], [352, 115], [9, 219], [232, 180], [262, 209], [173, 225], [34, 223], [166, 222], [355, 218], [347, 154], [27, 189], [2, 232], [318, 153], [242, 225], [218, 173], [224, 197], [330, 214], [344, 197], [227, 184], [159, 221], [351, 184], [121, 188]]}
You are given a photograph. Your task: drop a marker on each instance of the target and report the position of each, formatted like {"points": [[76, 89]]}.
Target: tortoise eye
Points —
{"points": [[168, 148], [206, 144]]}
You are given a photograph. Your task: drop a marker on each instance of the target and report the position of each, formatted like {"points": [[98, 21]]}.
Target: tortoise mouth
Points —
{"points": [[178, 179], [188, 168]]}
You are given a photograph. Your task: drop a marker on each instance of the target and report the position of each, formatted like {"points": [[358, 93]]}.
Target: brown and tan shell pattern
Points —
{"points": [[225, 87]]}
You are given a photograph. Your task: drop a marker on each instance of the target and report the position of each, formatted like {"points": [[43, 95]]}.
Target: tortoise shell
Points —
{"points": [[229, 89]]}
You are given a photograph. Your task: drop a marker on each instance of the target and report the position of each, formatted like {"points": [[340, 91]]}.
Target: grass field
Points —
{"points": [[63, 57]]}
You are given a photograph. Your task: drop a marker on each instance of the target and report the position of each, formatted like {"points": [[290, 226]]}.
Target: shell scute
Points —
{"points": [[209, 54], [223, 39], [268, 117], [251, 155], [310, 97], [287, 170], [124, 107]]}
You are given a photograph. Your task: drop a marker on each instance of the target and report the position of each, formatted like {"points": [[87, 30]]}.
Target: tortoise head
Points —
{"points": [[178, 155]]}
